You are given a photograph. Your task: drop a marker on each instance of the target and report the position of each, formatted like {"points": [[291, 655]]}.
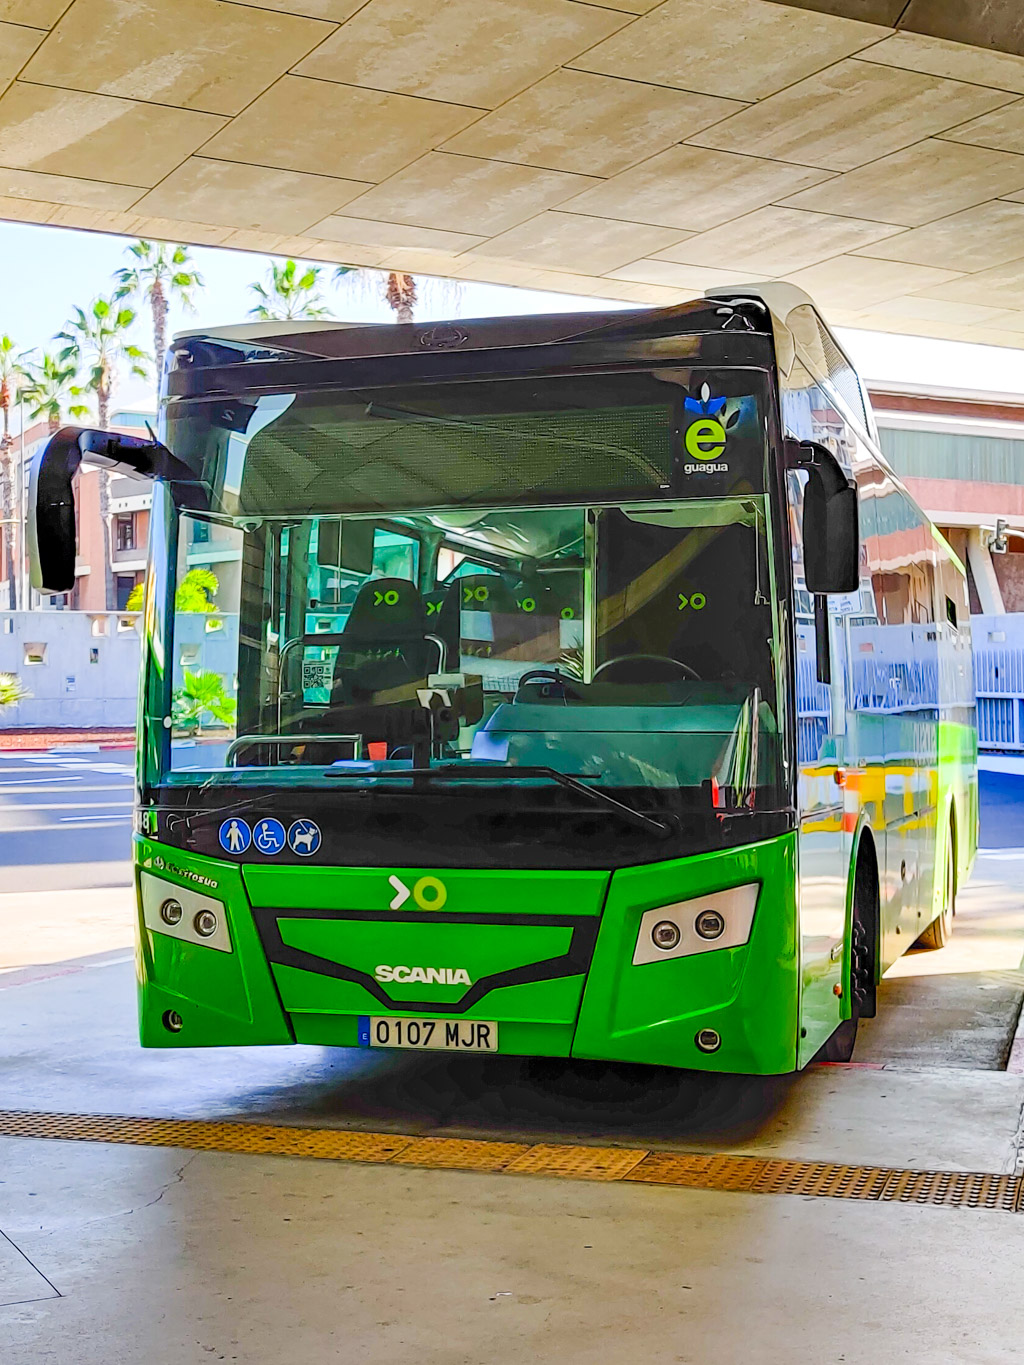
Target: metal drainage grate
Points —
{"points": [[717, 1171]]}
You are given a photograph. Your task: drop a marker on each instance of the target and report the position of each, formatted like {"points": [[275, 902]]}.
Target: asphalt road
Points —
{"points": [[65, 820]]}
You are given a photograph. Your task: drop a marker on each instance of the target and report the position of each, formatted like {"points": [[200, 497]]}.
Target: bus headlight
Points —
{"points": [[665, 935], [721, 919], [205, 924], [171, 911], [179, 912]]}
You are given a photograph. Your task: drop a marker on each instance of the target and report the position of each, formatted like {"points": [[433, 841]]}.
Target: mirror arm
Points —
{"points": [[813, 456], [51, 519]]}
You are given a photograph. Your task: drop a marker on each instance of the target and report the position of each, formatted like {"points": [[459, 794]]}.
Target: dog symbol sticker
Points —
{"points": [[304, 838]]}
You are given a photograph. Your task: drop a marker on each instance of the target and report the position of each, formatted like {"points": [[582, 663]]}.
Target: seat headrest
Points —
{"points": [[485, 592], [393, 603]]}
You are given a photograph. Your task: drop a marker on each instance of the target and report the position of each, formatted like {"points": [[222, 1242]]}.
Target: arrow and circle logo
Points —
{"points": [[429, 893]]}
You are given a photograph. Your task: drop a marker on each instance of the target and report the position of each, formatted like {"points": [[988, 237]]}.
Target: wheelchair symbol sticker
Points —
{"points": [[235, 836], [268, 837], [304, 838]]}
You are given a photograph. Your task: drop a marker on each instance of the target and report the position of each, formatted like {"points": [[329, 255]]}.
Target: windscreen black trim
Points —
{"points": [[730, 349]]}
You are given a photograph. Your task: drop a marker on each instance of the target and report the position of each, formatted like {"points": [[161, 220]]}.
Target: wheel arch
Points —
{"points": [[862, 849]]}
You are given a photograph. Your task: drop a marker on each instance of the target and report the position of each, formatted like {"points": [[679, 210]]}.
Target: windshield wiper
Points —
{"points": [[461, 772]]}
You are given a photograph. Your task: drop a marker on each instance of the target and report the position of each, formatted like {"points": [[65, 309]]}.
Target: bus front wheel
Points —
{"points": [[839, 1047]]}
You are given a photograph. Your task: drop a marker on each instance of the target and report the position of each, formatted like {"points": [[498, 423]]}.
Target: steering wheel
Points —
{"points": [[550, 675], [684, 669]]}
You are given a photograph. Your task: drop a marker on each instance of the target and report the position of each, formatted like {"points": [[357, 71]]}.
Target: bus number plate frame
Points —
{"points": [[430, 1035]]}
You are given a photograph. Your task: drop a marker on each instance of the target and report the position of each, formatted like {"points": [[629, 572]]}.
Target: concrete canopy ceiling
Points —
{"points": [[871, 151]]}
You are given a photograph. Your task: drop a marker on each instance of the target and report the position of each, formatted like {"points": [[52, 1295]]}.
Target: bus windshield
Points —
{"points": [[627, 646], [524, 584]]}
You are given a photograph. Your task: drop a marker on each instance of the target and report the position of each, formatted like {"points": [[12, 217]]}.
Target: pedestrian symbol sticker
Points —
{"points": [[235, 836], [304, 838], [268, 837]]}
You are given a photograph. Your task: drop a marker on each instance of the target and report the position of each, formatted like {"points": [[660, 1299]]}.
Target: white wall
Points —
{"points": [[91, 673]]}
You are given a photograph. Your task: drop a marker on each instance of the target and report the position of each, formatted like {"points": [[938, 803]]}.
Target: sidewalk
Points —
{"points": [[17, 739], [42, 928]]}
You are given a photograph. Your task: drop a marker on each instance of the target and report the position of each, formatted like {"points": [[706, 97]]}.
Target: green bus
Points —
{"points": [[578, 686]]}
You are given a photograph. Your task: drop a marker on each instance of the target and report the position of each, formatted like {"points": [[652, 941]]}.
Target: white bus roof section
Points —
{"points": [[870, 152]]}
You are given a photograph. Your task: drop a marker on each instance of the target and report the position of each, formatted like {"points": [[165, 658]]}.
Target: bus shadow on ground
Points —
{"points": [[533, 1097]]}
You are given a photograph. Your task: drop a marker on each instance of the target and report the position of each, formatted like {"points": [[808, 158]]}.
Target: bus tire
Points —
{"points": [[863, 937], [940, 931]]}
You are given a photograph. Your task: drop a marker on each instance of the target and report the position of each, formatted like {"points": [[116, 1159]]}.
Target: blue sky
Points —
{"points": [[47, 270]]}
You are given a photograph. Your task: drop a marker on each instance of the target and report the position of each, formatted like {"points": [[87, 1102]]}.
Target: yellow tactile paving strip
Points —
{"points": [[717, 1171]]}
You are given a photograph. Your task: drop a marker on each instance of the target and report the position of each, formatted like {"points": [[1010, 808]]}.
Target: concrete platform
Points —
{"points": [[176, 1259], [176, 1256]]}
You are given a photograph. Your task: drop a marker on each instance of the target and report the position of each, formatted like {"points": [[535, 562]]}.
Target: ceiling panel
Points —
{"points": [[849, 115], [196, 54], [338, 130], [986, 235], [16, 46], [776, 241], [390, 236], [939, 57], [594, 125], [930, 180], [562, 241], [694, 189], [742, 49], [66, 189], [691, 280], [336, 11], [1001, 285], [855, 283], [1002, 129], [463, 51], [466, 194], [223, 192], [34, 13], [71, 133]]}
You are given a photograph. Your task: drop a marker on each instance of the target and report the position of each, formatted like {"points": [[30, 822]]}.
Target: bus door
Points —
{"points": [[824, 838], [903, 583]]}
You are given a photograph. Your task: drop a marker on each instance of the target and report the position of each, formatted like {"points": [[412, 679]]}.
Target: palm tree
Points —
{"points": [[163, 272], [49, 389], [96, 343], [400, 292], [290, 294], [11, 374]]}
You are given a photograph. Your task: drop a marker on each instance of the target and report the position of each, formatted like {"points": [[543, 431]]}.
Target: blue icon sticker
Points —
{"points": [[268, 837], [235, 835], [304, 838]]}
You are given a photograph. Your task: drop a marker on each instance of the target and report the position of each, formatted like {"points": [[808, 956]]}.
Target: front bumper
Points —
{"points": [[548, 955]]}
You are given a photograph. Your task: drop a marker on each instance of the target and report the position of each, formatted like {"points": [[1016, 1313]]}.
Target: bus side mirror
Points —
{"points": [[831, 519], [51, 499]]}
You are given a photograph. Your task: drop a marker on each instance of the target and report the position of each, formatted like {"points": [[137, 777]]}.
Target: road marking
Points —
{"points": [[68, 805], [706, 1171], [40, 783], [80, 819]]}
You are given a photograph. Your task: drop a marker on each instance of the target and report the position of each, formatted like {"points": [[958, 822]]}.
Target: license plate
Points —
{"points": [[443, 1035]]}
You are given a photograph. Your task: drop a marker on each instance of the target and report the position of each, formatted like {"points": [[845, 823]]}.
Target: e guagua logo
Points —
{"points": [[705, 438]]}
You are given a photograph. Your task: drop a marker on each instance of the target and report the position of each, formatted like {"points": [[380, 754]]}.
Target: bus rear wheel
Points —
{"points": [[940, 931]]}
